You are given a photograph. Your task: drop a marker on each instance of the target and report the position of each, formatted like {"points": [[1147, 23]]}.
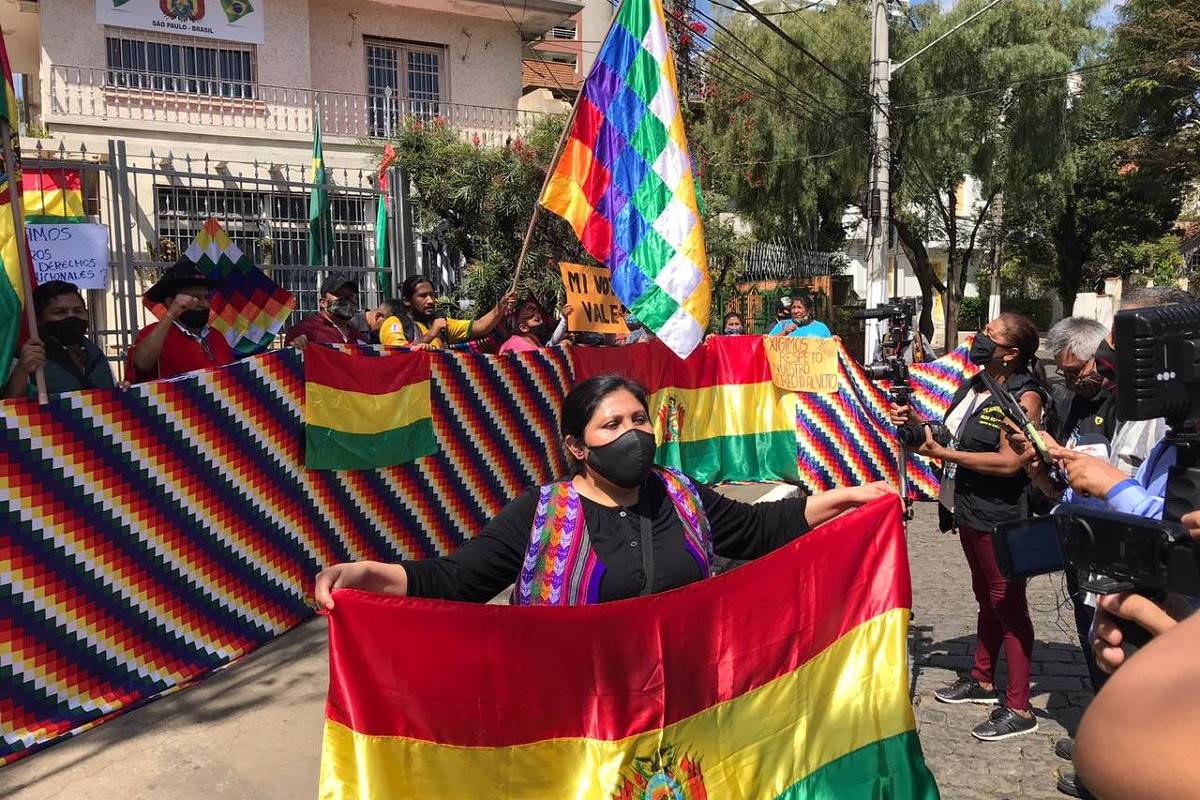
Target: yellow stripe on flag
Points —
{"points": [[849, 696], [358, 412], [723, 410]]}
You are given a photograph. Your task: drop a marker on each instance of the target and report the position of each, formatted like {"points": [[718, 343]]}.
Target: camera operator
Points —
{"points": [[1149, 712], [983, 486]]}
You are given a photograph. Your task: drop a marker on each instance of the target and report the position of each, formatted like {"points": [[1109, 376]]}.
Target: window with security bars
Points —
{"points": [[403, 80], [563, 30], [138, 60], [273, 227]]}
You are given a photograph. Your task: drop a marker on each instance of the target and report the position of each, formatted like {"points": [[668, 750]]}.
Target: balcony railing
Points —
{"points": [[145, 99]]}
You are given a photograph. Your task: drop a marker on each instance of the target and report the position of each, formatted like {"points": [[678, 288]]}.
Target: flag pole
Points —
{"points": [[537, 204], [18, 212]]}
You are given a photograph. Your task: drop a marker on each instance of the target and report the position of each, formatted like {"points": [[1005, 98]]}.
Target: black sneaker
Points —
{"points": [[1065, 748], [1069, 784], [1004, 723], [966, 690]]}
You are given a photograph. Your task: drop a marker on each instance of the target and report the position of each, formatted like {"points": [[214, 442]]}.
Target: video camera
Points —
{"points": [[898, 309], [1158, 369]]}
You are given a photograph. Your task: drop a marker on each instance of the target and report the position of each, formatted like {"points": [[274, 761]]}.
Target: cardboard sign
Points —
{"points": [[802, 364], [233, 20], [589, 289], [76, 252]]}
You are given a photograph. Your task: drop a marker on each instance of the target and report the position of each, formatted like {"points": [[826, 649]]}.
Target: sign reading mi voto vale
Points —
{"points": [[232, 20]]}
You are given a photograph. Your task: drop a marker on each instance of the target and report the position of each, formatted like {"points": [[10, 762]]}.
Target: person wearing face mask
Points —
{"points": [[527, 327], [419, 323], [71, 361], [984, 485], [335, 321], [801, 322], [628, 527], [181, 341]]}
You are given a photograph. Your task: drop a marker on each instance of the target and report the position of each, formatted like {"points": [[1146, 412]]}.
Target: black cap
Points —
{"points": [[182, 274], [335, 283]]}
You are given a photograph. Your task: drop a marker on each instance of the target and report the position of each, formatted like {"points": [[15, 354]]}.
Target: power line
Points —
{"points": [[800, 10], [780, 32], [817, 101]]}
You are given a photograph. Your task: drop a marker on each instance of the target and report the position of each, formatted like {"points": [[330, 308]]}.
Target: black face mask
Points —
{"points": [[66, 331], [983, 350], [625, 461], [1088, 385], [1106, 362], [194, 318], [733, 331]]}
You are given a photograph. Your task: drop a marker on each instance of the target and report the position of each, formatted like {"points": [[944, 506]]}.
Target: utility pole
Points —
{"points": [[878, 217]]}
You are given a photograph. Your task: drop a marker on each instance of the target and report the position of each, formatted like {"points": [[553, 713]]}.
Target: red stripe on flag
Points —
{"points": [[596, 236], [722, 361], [588, 120], [457, 674], [50, 180], [337, 370]]}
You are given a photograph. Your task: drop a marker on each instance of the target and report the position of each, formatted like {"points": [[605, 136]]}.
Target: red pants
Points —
{"points": [[1003, 619]]}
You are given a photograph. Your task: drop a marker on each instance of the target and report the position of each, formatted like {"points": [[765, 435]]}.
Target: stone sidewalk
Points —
{"points": [[253, 730], [943, 640]]}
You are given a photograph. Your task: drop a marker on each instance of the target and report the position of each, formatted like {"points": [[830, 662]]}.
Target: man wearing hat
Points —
{"points": [[181, 341], [338, 303]]}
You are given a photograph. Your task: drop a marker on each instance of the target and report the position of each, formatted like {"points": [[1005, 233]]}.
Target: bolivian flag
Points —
{"points": [[787, 678], [363, 412], [717, 415]]}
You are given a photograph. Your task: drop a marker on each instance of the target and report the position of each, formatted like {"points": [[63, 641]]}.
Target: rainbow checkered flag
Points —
{"points": [[249, 308], [624, 180]]}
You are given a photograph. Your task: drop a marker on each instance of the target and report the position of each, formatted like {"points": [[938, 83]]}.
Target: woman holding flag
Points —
{"points": [[618, 527]]}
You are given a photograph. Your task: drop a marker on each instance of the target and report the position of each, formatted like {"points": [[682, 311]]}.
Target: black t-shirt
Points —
{"points": [[984, 501], [483, 566]]}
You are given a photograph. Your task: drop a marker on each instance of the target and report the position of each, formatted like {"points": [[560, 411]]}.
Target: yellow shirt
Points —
{"points": [[391, 333]]}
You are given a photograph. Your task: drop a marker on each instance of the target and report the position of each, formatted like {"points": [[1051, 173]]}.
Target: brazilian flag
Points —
{"points": [[236, 9]]}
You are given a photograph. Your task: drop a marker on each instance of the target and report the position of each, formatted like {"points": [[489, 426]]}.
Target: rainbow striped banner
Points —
{"points": [[636, 700], [148, 537]]}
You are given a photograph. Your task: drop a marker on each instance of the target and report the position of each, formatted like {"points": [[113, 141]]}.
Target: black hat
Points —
{"points": [[182, 274], [335, 283]]}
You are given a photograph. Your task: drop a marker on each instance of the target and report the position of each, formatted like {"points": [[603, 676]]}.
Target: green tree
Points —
{"points": [[978, 106], [779, 136], [486, 195]]}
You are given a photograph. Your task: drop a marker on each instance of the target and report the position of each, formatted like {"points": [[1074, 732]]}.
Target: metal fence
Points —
{"points": [[154, 207]]}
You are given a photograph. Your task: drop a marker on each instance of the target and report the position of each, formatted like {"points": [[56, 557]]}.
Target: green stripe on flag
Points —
{"points": [[10, 321], [745, 457], [891, 768], [654, 307], [649, 140], [653, 251], [643, 76], [326, 448], [635, 18]]}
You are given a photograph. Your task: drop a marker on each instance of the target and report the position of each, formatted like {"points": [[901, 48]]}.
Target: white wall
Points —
{"points": [[483, 56]]}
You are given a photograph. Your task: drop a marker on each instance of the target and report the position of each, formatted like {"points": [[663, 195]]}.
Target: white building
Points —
{"points": [[210, 109]]}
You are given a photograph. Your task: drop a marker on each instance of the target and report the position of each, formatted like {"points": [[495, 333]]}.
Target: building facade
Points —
{"points": [[174, 111]]}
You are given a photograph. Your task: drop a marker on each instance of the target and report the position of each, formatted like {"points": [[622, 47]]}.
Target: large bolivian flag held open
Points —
{"points": [[786, 678]]}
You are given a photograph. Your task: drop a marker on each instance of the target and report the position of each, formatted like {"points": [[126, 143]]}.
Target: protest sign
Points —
{"points": [[589, 289], [803, 364], [72, 252]]}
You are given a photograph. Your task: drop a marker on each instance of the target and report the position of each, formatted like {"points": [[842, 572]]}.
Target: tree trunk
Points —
{"points": [[1072, 254], [918, 256], [954, 269]]}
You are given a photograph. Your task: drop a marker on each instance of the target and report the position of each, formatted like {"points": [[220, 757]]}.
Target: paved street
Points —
{"points": [[943, 644], [253, 730]]}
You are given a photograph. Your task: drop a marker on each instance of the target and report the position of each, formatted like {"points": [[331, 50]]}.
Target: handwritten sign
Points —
{"points": [[589, 289], [234, 20], [72, 252], [801, 364]]}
